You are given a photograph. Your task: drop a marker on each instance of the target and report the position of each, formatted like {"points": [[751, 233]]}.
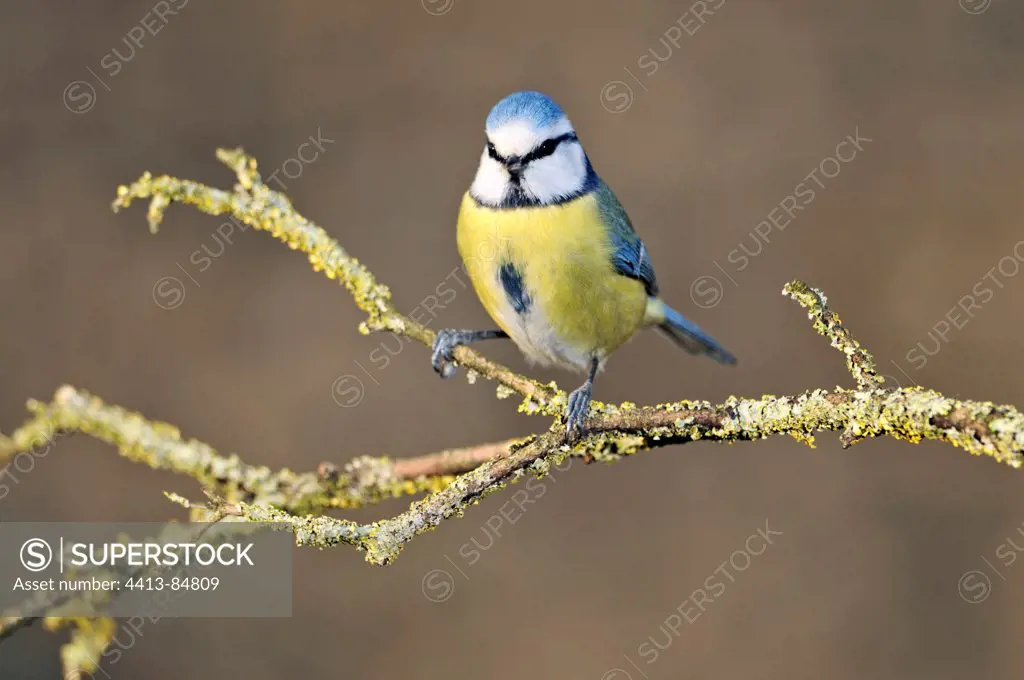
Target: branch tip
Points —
{"points": [[859, 362]]}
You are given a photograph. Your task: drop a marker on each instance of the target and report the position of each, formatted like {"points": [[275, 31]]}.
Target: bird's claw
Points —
{"points": [[442, 357], [577, 410]]}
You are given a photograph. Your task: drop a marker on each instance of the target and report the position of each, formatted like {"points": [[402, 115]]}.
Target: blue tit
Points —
{"points": [[553, 256]]}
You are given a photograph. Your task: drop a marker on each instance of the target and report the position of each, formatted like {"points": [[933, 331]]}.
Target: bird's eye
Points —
{"points": [[492, 152], [547, 148]]}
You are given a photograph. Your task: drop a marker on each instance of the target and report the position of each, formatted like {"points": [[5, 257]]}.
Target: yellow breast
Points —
{"points": [[579, 305]]}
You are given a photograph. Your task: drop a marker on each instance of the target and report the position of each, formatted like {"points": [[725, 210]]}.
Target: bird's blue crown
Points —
{"points": [[537, 109]]}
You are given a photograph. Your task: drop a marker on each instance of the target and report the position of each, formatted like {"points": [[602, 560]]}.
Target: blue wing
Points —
{"points": [[630, 258], [629, 255]]}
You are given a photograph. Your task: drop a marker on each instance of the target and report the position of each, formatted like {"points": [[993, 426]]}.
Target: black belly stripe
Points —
{"points": [[512, 281]]}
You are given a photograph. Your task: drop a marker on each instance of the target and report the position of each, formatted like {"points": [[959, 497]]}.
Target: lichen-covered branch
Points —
{"points": [[256, 205], [364, 480], [910, 415], [90, 637], [827, 322]]}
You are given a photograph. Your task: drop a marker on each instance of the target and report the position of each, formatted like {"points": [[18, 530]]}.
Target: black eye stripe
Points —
{"points": [[547, 148], [493, 153]]}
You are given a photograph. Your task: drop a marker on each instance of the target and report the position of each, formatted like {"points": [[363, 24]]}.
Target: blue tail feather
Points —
{"points": [[690, 337]]}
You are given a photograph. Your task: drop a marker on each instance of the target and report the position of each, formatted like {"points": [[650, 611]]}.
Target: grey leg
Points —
{"points": [[579, 403]]}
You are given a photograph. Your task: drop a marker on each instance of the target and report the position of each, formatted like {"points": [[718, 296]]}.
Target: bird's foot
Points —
{"points": [[444, 345], [577, 410]]}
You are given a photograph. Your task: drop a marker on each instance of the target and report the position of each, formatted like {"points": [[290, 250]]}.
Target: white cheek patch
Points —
{"points": [[491, 181], [557, 176]]}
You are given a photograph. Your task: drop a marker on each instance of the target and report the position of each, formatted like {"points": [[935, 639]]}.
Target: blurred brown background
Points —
{"points": [[864, 580]]}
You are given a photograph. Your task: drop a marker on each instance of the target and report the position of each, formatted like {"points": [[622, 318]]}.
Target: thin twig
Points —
{"points": [[858, 361]]}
